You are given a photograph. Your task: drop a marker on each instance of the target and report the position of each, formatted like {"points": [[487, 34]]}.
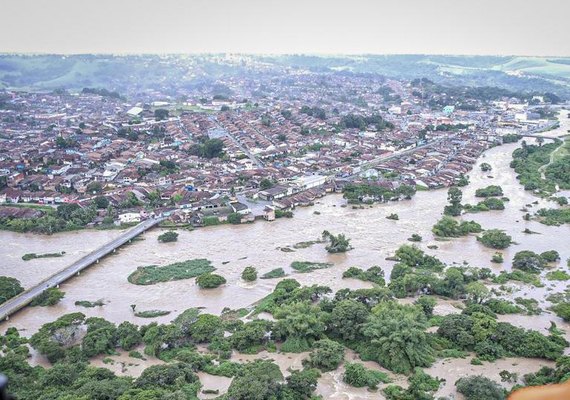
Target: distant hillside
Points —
{"points": [[130, 74], [513, 73]]}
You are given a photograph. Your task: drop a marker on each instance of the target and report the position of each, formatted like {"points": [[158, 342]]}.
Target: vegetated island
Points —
{"points": [[151, 274], [33, 256]]}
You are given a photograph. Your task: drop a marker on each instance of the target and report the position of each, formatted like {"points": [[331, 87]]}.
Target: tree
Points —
{"points": [[101, 202], [480, 387], [485, 167], [326, 355], [337, 244], [495, 239], [497, 258], [550, 256], [416, 258], [265, 184], [415, 238], [301, 384], [477, 292], [300, 323], [528, 261], [562, 310], [48, 297], [53, 337], [210, 281], [206, 327], [94, 187], [66, 211], [9, 287], [160, 114], [249, 274], [250, 335], [234, 218], [169, 236], [186, 319], [128, 335], [101, 337], [166, 376], [449, 227], [357, 375], [258, 380], [463, 180], [427, 303], [489, 191], [346, 319], [397, 335], [287, 114], [454, 197]]}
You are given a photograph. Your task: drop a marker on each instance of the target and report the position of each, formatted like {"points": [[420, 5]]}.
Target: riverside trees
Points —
{"points": [[9, 287], [367, 320], [336, 243], [454, 197]]}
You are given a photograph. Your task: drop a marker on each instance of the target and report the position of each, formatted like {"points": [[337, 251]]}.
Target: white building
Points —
{"points": [[129, 218], [310, 181]]}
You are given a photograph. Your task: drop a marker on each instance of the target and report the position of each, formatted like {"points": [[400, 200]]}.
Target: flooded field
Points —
{"points": [[232, 248]]}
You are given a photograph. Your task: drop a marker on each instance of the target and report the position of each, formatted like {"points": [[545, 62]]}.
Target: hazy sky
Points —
{"points": [[521, 27]]}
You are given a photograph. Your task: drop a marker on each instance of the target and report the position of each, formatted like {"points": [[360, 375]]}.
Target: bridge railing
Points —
{"points": [[18, 302]]}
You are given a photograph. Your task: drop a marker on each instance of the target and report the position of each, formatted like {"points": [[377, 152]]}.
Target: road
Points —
{"points": [[391, 156], [16, 303], [254, 159]]}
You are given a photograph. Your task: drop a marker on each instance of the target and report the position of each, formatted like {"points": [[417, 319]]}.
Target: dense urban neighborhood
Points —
{"points": [[237, 227], [242, 148]]}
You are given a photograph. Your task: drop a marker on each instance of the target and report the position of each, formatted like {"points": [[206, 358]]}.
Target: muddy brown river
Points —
{"points": [[232, 248]]}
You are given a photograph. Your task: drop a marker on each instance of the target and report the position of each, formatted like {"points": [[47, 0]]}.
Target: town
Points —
{"points": [[242, 148]]}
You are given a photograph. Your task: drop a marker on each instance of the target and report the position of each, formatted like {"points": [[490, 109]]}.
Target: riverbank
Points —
{"points": [[231, 248]]}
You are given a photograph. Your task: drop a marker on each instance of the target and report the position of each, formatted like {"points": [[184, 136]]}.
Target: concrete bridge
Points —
{"points": [[536, 136], [23, 299]]}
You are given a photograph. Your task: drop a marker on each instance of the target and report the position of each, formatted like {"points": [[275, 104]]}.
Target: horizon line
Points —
{"points": [[317, 54]]}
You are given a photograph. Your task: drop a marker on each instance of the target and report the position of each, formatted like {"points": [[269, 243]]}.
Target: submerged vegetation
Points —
{"points": [[33, 256], [308, 266], [210, 281], [249, 274], [274, 273], [48, 297], [556, 217], [373, 274], [314, 319], [495, 239], [449, 227], [169, 236], [90, 304], [151, 313], [336, 243], [152, 274]]}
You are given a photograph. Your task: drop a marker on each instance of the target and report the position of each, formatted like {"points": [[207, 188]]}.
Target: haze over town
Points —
{"points": [[270, 200]]}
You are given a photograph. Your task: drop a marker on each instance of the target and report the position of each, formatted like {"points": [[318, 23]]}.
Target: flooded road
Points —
{"points": [[232, 248]]}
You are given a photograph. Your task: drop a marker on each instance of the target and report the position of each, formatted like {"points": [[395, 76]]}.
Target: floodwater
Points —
{"points": [[232, 248]]}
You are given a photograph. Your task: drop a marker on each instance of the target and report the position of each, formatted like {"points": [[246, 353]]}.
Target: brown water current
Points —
{"points": [[232, 248]]}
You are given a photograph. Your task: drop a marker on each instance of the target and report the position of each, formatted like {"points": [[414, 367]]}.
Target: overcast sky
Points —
{"points": [[520, 27]]}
